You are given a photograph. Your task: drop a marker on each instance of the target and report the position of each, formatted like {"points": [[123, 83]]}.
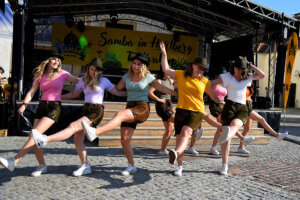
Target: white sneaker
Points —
{"points": [[248, 139], [214, 151], [89, 131], [172, 156], [282, 135], [178, 171], [199, 133], [191, 150], [225, 135], [129, 170], [39, 139], [39, 170], [243, 150], [8, 163], [82, 170], [224, 170], [164, 153]]}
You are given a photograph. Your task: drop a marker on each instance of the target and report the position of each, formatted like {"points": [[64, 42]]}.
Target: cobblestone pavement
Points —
{"points": [[270, 172]]}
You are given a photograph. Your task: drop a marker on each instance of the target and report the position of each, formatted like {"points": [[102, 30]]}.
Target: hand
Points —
{"points": [[163, 48], [21, 109]]}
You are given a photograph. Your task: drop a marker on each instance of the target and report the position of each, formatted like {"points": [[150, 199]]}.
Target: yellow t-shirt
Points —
{"points": [[190, 92]]}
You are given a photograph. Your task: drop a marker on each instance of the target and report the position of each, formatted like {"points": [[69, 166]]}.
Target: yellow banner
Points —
{"points": [[290, 59], [115, 47]]}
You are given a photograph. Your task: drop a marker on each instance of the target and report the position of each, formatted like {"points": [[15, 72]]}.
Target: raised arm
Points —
{"points": [[71, 95], [164, 62], [258, 73], [116, 92], [73, 79], [29, 96], [163, 89]]}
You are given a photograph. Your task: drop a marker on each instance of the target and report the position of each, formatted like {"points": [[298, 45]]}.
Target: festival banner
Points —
{"points": [[290, 59], [115, 47]]}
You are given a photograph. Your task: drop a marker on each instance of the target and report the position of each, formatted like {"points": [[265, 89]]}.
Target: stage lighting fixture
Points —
{"points": [[81, 26], [69, 20]]}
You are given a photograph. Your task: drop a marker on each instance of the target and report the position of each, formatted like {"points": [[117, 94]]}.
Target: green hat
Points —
{"points": [[200, 61], [142, 57], [96, 62], [240, 62]]}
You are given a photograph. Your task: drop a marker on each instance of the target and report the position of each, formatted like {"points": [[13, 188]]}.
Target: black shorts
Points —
{"points": [[164, 110], [50, 109], [94, 112], [188, 118], [233, 110], [140, 111]]}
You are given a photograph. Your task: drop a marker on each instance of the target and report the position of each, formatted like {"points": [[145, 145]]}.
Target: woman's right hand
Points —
{"points": [[163, 48], [21, 109]]}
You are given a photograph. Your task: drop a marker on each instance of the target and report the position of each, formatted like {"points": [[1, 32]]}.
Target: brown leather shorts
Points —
{"points": [[233, 110], [249, 105], [188, 118], [215, 109], [50, 109], [140, 111], [94, 112], [164, 110]]}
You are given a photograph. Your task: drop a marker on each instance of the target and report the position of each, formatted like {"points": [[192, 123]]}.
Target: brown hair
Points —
{"points": [[87, 78], [244, 73]]}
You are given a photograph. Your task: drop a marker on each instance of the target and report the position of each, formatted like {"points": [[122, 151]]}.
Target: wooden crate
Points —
{"points": [[3, 133]]}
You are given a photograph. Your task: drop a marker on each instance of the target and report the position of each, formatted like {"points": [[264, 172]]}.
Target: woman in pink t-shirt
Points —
{"points": [[93, 85], [49, 77]]}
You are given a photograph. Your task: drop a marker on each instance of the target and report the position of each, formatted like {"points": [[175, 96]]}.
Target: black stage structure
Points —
{"points": [[240, 22]]}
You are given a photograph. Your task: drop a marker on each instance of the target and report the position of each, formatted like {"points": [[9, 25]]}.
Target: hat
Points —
{"points": [[96, 62], [142, 57], [240, 62], [200, 61], [55, 54]]}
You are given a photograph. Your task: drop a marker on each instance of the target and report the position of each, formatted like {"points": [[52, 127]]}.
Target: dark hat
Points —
{"points": [[2, 69], [55, 54], [221, 70], [240, 62], [96, 62], [200, 61], [142, 57]]}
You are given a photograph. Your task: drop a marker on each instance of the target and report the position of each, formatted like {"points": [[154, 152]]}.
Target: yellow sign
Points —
{"points": [[116, 47], [290, 59]]}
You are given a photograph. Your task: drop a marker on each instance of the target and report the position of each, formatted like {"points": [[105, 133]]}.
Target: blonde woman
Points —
{"points": [[137, 83], [49, 77]]}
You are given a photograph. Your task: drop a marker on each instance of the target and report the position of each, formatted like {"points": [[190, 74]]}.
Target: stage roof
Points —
{"points": [[229, 18]]}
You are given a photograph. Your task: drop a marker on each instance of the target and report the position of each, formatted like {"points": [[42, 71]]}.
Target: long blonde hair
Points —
{"points": [[87, 79], [144, 71], [40, 70]]}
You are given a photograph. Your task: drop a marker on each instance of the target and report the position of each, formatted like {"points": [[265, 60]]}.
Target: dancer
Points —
{"points": [[253, 115], [164, 109], [137, 83], [50, 78], [191, 85], [235, 112], [93, 85]]}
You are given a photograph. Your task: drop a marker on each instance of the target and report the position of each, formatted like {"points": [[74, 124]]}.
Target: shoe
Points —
{"points": [[199, 133], [172, 156], [8, 163], [89, 131], [39, 170], [225, 135], [214, 151], [39, 139], [191, 150], [224, 170], [178, 171], [129, 170], [164, 153], [248, 139], [82, 170], [243, 150], [282, 135]]}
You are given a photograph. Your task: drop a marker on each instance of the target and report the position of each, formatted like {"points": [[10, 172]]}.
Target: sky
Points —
{"points": [[288, 7]]}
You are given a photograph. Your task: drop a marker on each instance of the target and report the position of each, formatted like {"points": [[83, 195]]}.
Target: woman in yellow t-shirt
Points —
{"points": [[191, 85]]}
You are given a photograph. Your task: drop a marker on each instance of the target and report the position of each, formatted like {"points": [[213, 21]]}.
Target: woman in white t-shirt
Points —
{"points": [[235, 112]]}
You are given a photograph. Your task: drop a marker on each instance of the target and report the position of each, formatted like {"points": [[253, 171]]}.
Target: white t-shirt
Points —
{"points": [[236, 91]]}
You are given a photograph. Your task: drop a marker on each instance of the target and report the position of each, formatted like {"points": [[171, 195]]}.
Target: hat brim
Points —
{"points": [[145, 62], [58, 56]]}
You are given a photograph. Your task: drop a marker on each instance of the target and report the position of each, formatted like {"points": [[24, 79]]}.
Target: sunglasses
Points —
{"points": [[200, 67]]}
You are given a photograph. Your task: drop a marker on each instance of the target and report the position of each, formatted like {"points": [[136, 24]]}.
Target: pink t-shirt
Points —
{"points": [[51, 89], [220, 91]]}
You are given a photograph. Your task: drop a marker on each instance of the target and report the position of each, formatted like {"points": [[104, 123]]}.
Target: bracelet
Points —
{"points": [[164, 54]]}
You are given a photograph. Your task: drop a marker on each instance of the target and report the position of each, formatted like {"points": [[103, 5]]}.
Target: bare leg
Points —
{"points": [[182, 141], [66, 133], [169, 126], [126, 135], [212, 122], [217, 134], [80, 147], [40, 125], [122, 116], [246, 130], [193, 140], [255, 116]]}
